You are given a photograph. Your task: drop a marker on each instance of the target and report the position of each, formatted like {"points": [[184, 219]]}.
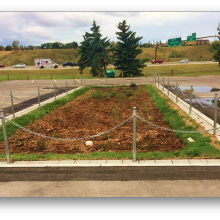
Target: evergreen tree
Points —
{"points": [[94, 53], [126, 52], [84, 49]]}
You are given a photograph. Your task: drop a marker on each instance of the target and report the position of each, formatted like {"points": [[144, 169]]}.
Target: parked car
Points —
{"points": [[157, 61], [75, 64], [19, 66], [68, 64], [1, 65], [214, 61], [184, 61]]}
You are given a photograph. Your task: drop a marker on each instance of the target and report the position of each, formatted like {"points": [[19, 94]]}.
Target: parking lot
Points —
{"points": [[23, 89]]}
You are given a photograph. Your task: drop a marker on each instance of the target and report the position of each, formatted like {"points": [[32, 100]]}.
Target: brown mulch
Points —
{"points": [[84, 117]]}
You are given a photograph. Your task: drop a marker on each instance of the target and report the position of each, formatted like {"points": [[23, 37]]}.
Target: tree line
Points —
{"points": [[54, 45]]}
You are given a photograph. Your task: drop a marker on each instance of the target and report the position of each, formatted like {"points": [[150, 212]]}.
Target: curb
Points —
{"points": [[112, 163]]}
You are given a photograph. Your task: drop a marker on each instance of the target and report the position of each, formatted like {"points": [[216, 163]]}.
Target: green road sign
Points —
{"points": [[174, 42], [191, 39]]}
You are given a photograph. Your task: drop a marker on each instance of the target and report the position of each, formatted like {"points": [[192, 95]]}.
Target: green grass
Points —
{"points": [[199, 148], [192, 53], [178, 70]]}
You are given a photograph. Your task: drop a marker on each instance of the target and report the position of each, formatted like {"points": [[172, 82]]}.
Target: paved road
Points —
{"points": [[32, 67], [110, 182]]}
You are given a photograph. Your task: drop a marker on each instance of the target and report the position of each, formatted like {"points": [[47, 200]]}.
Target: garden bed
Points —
{"points": [[98, 110]]}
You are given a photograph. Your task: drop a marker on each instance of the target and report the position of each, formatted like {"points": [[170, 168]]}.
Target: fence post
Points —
{"points": [[74, 82], [84, 81], [12, 105], [215, 114], [54, 90], [190, 107], [168, 88], [163, 82], [66, 87], [38, 95], [177, 90], [134, 134], [106, 79], [131, 78], [158, 80], [2, 116]]}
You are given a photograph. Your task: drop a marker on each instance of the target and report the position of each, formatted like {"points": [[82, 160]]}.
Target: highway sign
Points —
{"points": [[191, 39], [174, 42]]}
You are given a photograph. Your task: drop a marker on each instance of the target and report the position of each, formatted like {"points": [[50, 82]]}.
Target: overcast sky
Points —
{"points": [[35, 28]]}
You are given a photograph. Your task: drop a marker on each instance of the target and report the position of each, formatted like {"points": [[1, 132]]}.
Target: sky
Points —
{"points": [[38, 27]]}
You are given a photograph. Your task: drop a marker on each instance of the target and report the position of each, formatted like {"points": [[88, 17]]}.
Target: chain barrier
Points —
{"points": [[172, 87], [201, 103], [76, 139], [178, 131], [26, 98], [182, 92], [47, 89], [5, 100]]}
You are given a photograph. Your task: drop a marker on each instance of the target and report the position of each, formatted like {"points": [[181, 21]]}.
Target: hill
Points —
{"points": [[169, 54]]}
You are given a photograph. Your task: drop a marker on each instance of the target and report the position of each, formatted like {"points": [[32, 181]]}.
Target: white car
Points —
{"points": [[19, 66], [184, 61]]}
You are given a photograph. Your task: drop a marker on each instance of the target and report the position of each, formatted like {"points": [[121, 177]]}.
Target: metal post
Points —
{"points": [[84, 81], [66, 87], [190, 107], [168, 88], [177, 90], [75, 83], [215, 113], [134, 134], [54, 90], [2, 116], [38, 95], [163, 82], [12, 106], [158, 80], [131, 78]]}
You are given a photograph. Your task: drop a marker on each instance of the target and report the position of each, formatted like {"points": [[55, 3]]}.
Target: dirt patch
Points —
{"points": [[94, 112]]}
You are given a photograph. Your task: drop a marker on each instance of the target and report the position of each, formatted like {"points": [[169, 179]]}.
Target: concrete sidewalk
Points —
{"points": [[96, 163]]}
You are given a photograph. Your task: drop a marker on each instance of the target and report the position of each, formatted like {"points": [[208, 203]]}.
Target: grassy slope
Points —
{"points": [[193, 53]]}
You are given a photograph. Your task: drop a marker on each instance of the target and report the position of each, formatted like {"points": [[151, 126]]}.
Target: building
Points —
{"points": [[202, 41]]}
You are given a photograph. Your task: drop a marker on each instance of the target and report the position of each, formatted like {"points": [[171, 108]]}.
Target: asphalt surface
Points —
{"points": [[32, 67], [109, 173]]}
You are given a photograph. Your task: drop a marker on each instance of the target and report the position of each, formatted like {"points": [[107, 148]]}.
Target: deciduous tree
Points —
{"points": [[217, 56]]}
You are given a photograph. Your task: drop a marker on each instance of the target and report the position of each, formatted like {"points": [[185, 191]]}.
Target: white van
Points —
{"points": [[45, 63]]}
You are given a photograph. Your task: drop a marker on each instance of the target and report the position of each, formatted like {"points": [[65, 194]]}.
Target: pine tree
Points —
{"points": [[84, 48], [126, 52], [94, 53]]}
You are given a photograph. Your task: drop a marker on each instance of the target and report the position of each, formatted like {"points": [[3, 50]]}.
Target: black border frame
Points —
{"points": [[109, 206]]}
